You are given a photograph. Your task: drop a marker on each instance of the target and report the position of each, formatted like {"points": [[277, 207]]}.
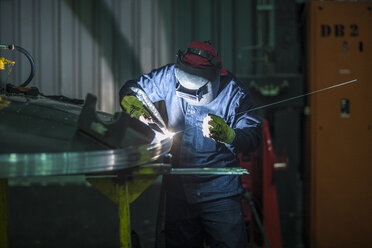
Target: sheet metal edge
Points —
{"points": [[71, 163]]}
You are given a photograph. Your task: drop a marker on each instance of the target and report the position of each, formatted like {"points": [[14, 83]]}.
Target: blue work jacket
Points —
{"points": [[190, 148]]}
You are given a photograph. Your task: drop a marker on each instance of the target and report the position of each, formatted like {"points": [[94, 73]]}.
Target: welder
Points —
{"points": [[201, 209]]}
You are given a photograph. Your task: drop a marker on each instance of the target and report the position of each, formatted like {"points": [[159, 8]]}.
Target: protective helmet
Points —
{"points": [[198, 71]]}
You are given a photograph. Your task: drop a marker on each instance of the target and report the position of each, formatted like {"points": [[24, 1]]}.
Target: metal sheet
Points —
{"points": [[42, 125], [40, 137]]}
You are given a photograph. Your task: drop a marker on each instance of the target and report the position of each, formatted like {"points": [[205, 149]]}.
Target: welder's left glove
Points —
{"points": [[134, 107], [216, 128]]}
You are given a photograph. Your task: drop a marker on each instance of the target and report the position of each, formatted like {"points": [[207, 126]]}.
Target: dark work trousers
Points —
{"points": [[217, 223]]}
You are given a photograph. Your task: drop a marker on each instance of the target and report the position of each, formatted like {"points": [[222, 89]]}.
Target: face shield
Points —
{"points": [[198, 86], [195, 90]]}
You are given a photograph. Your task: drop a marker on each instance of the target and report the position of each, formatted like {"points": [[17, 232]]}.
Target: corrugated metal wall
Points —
{"points": [[96, 45]]}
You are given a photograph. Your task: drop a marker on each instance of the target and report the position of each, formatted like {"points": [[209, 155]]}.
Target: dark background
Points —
{"points": [[95, 46]]}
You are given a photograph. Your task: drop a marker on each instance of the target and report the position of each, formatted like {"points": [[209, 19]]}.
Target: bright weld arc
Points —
{"points": [[165, 135]]}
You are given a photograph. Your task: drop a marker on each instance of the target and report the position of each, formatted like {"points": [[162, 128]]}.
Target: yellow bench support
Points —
{"points": [[4, 213], [124, 191]]}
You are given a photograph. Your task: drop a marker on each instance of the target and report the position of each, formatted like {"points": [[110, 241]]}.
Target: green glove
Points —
{"points": [[219, 130], [134, 107]]}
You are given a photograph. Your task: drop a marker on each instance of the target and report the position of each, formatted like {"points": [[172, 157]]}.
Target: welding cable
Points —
{"points": [[32, 63], [28, 56], [248, 196]]}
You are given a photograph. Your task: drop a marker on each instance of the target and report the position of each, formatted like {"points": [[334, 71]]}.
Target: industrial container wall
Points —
{"points": [[95, 46], [340, 40]]}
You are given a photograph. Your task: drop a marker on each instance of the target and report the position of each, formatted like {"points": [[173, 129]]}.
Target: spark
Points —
{"points": [[165, 135]]}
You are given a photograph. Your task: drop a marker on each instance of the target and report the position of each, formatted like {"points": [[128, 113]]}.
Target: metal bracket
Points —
{"points": [[110, 134]]}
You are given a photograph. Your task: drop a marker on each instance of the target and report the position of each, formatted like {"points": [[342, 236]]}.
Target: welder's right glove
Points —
{"points": [[216, 128], [134, 107]]}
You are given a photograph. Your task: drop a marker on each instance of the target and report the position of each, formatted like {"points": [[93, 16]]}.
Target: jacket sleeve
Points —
{"points": [[247, 127], [154, 84]]}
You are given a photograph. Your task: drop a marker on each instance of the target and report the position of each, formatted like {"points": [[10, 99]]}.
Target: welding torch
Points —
{"points": [[156, 122]]}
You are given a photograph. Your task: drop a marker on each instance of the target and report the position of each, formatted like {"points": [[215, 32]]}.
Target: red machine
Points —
{"points": [[260, 193]]}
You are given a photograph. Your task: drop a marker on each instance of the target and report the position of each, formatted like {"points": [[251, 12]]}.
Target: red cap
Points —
{"points": [[197, 61]]}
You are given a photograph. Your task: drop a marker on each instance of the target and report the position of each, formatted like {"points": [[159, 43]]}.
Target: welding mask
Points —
{"points": [[198, 85]]}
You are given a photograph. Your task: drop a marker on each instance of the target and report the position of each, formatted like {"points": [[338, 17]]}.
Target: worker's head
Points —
{"points": [[198, 71]]}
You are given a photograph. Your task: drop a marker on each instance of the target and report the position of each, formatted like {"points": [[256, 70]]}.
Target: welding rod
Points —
{"points": [[296, 97]]}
